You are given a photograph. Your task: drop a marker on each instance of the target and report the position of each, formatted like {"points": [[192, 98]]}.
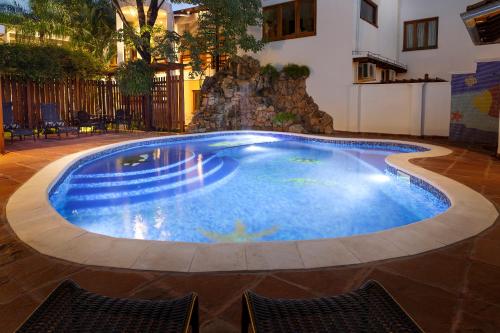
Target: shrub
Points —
{"points": [[282, 118], [270, 71], [296, 72], [135, 78], [41, 63]]}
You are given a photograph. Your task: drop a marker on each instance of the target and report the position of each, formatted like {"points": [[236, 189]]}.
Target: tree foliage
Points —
{"points": [[222, 30], [42, 63], [135, 78], [87, 25]]}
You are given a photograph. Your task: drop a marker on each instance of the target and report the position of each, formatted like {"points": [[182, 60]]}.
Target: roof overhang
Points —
{"points": [[379, 60], [483, 22]]}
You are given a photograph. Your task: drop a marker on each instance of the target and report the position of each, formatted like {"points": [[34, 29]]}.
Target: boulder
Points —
{"points": [[240, 97]]}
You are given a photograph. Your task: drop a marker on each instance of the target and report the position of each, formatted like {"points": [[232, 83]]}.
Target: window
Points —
{"points": [[369, 12], [388, 75], [293, 19], [421, 34], [366, 72]]}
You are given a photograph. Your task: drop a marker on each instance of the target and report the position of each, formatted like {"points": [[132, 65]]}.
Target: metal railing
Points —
{"points": [[379, 57]]}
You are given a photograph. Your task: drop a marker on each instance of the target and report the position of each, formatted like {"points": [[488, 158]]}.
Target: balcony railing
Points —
{"points": [[378, 57]]}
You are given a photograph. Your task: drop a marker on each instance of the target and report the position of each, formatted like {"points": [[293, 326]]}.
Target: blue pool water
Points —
{"points": [[242, 187]]}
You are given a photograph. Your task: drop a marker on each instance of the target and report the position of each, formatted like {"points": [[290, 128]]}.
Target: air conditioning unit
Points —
{"points": [[367, 72], [388, 75]]}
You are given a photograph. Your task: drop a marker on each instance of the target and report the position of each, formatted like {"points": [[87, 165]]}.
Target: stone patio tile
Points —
{"points": [[277, 288], [16, 312], [484, 282], [327, 282], [433, 269], [273, 255], [215, 291], [110, 282], [480, 315], [431, 307], [219, 326], [487, 251]]}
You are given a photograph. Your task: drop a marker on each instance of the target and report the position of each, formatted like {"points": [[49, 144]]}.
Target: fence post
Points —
{"points": [[2, 141], [181, 100]]}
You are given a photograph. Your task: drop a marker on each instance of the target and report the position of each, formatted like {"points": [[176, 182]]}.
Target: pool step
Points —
{"points": [[161, 176], [180, 163], [219, 168]]}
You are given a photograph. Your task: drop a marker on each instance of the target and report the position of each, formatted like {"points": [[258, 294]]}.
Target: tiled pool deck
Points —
{"points": [[456, 288]]}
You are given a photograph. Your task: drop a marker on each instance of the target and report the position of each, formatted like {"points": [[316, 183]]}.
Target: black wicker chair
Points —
{"points": [[72, 309], [122, 117], [52, 122], [84, 120], [368, 309], [11, 126]]}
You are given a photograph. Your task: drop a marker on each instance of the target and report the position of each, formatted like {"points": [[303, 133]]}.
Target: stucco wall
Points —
{"points": [[328, 54], [412, 109], [384, 39], [456, 53]]}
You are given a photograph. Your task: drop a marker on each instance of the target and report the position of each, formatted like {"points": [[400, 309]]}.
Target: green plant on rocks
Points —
{"points": [[295, 72], [270, 71], [282, 118]]}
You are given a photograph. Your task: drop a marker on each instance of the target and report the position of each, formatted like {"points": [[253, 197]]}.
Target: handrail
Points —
{"points": [[379, 57]]}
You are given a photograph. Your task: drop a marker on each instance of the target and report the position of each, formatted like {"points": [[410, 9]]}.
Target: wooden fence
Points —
{"points": [[98, 98]]}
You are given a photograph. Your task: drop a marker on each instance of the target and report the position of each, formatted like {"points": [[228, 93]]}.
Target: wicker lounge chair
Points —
{"points": [[85, 120], [10, 125], [368, 309], [122, 117], [51, 121], [72, 309]]}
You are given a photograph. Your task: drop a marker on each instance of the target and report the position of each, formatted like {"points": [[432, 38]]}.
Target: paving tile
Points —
{"points": [[487, 250], [484, 282], [277, 288], [215, 291], [478, 315], [112, 283], [219, 326], [326, 282], [431, 307], [433, 269], [13, 314]]}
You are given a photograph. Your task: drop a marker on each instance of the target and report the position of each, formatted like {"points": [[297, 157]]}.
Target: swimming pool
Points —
{"points": [[244, 187]]}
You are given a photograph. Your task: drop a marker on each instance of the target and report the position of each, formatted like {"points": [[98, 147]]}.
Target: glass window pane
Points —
{"points": [[307, 16], [288, 18], [368, 12], [270, 23], [432, 38], [421, 35], [410, 44]]}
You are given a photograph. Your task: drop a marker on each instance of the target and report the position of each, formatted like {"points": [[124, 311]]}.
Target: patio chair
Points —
{"points": [[85, 120], [51, 120], [10, 125], [122, 117], [72, 309], [368, 309]]}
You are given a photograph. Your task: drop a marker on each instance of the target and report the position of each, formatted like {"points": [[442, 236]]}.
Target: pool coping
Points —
{"points": [[39, 225]]}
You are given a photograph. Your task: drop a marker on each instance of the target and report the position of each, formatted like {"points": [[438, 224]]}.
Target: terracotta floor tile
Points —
{"points": [[215, 291], [480, 314], [327, 282], [487, 250], [441, 271], [484, 282], [12, 315], [432, 308], [275, 288], [110, 282]]}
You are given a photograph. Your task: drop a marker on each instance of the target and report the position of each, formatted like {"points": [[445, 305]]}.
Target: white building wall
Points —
{"points": [[328, 55], [411, 109], [383, 39], [456, 53]]}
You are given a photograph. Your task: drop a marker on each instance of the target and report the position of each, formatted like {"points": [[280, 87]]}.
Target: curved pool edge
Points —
{"points": [[39, 225]]}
